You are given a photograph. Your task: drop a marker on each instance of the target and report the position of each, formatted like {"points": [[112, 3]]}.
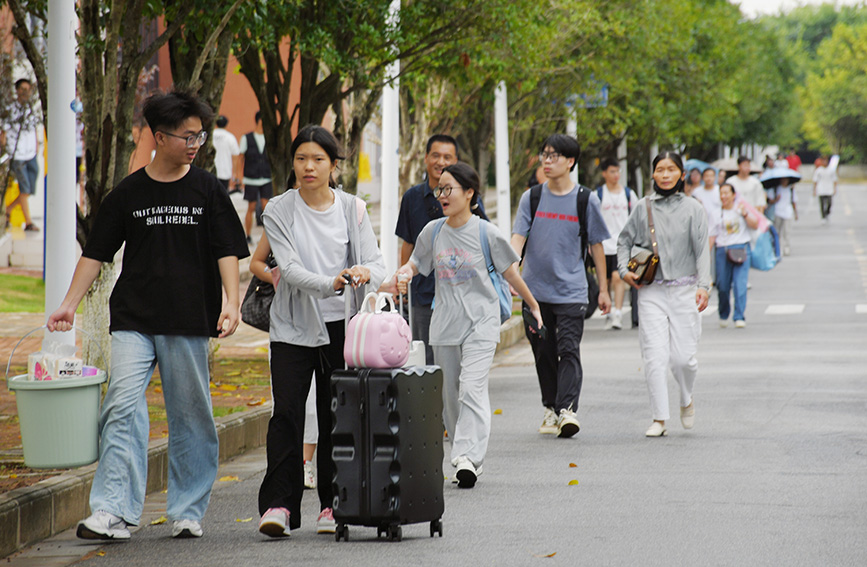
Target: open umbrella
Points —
{"points": [[697, 164], [731, 164], [773, 177]]}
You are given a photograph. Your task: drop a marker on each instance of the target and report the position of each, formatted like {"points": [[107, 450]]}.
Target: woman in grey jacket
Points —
{"points": [[320, 236], [669, 307]]}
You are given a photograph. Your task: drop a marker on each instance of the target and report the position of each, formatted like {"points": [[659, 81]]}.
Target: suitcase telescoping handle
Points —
{"points": [[402, 278]]}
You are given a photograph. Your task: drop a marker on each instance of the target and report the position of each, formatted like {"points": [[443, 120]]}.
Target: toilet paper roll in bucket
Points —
{"points": [[59, 419]]}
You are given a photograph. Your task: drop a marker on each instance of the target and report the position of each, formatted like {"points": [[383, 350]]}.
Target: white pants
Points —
{"points": [[668, 334], [311, 427], [466, 405]]}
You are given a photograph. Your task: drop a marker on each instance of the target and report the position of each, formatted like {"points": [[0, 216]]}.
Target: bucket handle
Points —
{"points": [[90, 336]]}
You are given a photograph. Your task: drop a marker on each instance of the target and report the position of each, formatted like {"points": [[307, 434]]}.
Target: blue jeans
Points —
{"points": [[121, 476], [730, 276], [26, 173]]}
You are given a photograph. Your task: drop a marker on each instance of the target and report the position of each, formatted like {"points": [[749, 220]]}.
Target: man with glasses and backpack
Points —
{"points": [[553, 219]]}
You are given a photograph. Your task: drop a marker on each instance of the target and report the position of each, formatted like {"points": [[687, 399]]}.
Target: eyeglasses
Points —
{"points": [[545, 156], [191, 140], [447, 190]]}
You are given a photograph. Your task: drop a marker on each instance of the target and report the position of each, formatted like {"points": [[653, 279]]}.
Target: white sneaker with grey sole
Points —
{"points": [[102, 525], [186, 529]]}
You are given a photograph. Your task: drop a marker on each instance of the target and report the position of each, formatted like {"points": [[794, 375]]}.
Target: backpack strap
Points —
{"points": [[438, 226], [583, 199], [535, 197], [486, 246], [628, 202]]}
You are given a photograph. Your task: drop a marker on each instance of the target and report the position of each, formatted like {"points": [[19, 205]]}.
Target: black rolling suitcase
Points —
{"points": [[388, 449]]}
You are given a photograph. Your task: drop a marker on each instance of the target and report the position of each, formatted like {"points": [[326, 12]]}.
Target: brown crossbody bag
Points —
{"points": [[644, 263]]}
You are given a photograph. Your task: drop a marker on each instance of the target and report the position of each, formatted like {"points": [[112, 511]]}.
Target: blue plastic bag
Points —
{"points": [[766, 251]]}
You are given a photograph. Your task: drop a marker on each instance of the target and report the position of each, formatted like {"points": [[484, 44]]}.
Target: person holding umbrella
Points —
{"points": [[782, 180]]}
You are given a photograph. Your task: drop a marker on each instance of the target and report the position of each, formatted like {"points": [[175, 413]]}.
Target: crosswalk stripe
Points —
{"points": [[792, 309]]}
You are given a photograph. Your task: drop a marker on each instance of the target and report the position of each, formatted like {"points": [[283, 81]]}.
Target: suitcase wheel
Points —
{"points": [[436, 527], [394, 532], [342, 531]]}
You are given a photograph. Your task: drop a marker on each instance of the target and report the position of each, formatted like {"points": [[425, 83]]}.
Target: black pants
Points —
{"points": [[825, 205], [558, 356], [292, 367]]}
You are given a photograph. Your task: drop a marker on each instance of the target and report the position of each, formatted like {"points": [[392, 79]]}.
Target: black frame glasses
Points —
{"points": [[553, 156], [447, 190], [201, 138]]}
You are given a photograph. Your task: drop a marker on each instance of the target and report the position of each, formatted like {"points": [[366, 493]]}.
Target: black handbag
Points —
{"points": [[736, 256], [256, 307]]}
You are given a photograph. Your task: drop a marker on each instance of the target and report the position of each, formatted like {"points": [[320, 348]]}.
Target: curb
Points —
{"points": [[34, 513]]}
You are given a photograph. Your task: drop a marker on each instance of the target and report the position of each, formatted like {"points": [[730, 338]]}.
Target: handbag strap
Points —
{"points": [[652, 228]]}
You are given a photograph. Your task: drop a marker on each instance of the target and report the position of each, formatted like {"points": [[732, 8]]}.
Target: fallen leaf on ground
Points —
{"points": [[498, 412], [243, 520], [233, 373], [573, 466], [158, 390], [573, 482], [262, 349], [100, 553], [228, 387], [160, 520], [545, 556], [234, 478], [258, 402]]}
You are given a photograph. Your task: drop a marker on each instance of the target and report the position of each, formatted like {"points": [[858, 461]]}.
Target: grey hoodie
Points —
{"points": [[295, 315]]}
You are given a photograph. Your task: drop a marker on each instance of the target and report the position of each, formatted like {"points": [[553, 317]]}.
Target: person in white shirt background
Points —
{"points": [[748, 186], [824, 187], [785, 211], [226, 148], [616, 204]]}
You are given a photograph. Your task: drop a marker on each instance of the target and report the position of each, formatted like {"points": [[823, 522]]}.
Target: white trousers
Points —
{"points": [[668, 334], [466, 404]]}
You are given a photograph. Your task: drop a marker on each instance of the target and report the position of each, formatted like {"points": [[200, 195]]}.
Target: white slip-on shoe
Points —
{"points": [[687, 415], [656, 429], [466, 473]]}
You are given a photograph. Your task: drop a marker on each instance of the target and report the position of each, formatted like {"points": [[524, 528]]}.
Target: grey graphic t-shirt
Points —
{"points": [[466, 305]]}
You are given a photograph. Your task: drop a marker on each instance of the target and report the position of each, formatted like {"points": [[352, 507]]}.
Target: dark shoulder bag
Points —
{"points": [[644, 263]]}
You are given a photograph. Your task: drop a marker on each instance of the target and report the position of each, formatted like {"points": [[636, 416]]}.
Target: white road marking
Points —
{"points": [[794, 309], [861, 308]]}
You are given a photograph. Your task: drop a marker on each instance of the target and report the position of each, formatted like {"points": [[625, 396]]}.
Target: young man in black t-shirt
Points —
{"points": [[182, 240]]}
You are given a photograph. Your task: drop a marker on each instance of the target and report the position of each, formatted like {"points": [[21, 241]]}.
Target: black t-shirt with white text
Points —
{"points": [[174, 234]]}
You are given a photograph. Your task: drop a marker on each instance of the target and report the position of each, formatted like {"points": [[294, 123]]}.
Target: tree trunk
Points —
{"points": [[95, 318]]}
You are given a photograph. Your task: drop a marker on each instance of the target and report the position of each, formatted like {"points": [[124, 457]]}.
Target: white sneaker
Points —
{"points": [[567, 425], [186, 528], [466, 473], [275, 522], [102, 525], [740, 324], [723, 323], [549, 423], [325, 523], [617, 319], [656, 429], [687, 415], [609, 323], [309, 475]]}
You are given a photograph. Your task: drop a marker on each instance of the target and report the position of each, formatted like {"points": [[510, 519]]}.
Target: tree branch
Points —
{"points": [[22, 34], [211, 42]]}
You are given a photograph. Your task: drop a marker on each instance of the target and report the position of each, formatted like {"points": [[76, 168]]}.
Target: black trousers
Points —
{"points": [[292, 368], [825, 205], [558, 356]]}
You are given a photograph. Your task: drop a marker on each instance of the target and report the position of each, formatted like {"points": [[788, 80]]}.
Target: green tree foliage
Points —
{"points": [[835, 95]]}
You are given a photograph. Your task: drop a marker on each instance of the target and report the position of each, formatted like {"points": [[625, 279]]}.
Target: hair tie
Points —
{"points": [[474, 207]]}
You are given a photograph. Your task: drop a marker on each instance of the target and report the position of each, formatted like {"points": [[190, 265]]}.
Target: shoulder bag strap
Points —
{"points": [[652, 228]]}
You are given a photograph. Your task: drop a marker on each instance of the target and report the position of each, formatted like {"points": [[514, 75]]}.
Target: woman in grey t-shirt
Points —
{"points": [[465, 325]]}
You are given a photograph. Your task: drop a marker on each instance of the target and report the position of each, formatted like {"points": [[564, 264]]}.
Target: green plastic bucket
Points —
{"points": [[59, 420]]}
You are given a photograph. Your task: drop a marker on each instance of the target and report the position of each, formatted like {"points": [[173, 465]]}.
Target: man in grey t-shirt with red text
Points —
{"points": [[554, 272]]}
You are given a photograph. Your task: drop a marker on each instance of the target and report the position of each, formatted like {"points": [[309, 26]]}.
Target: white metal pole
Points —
{"points": [[390, 160], [60, 215], [572, 130], [624, 163], [501, 133]]}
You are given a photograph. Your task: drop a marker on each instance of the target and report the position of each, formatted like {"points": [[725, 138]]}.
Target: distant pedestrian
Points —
{"points": [[616, 201], [748, 186], [418, 207], [708, 193], [182, 240], [226, 150], [20, 136], [253, 161], [693, 181], [465, 327], [731, 230], [670, 307], [825, 187], [794, 161], [785, 212], [566, 220]]}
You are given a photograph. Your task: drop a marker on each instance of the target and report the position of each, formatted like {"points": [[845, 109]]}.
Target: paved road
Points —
{"points": [[774, 473]]}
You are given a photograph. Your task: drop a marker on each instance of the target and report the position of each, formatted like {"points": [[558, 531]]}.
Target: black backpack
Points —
{"points": [[583, 198]]}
